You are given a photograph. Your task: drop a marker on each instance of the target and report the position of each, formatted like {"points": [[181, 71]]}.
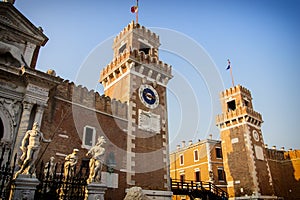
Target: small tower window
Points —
{"points": [[145, 48], [246, 103], [218, 152], [122, 48], [231, 105]]}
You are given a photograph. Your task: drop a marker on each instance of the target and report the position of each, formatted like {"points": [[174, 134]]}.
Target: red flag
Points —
{"points": [[134, 9]]}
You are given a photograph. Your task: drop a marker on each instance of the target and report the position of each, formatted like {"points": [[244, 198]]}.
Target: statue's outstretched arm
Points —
{"points": [[43, 139]]}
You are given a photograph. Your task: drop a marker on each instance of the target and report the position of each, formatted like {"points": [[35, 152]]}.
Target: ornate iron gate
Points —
{"points": [[6, 171], [54, 185]]}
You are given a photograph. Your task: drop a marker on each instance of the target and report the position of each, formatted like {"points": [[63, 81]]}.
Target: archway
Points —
{"points": [[1, 129]]}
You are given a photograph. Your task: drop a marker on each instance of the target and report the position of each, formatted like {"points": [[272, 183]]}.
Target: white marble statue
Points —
{"points": [[96, 161], [49, 168], [30, 147], [70, 163], [135, 193]]}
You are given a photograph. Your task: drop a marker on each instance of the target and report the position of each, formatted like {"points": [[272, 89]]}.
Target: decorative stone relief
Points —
{"points": [[13, 108], [9, 112], [149, 121]]}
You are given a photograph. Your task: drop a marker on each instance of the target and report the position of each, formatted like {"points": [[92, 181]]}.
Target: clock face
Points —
{"points": [[149, 96], [255, 135]]}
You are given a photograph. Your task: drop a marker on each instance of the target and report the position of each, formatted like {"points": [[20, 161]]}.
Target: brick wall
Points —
{"points": [[285, 170], [70, 109]]}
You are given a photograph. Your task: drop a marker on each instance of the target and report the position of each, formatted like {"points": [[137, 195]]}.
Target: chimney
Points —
{"points": [[210, 136], [183, 144]]}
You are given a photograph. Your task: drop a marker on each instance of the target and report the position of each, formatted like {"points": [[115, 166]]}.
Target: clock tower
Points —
{"points": [[244, 155], [138, 77]]}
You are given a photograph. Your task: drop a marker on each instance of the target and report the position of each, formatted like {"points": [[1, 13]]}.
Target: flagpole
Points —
{"points": [[137, 13], [231, 75]]}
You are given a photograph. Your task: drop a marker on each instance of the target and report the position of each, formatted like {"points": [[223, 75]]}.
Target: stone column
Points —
{"points": [[39, 114], [27, 107], [23, 187], [95, 191]]}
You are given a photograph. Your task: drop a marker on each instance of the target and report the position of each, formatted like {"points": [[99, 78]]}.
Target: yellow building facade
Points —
{"points": [[200, 161]]}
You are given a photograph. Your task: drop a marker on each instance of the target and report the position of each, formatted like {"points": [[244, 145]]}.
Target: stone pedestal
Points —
{"points": [[158, 194], [95, 191], [23, 187]]}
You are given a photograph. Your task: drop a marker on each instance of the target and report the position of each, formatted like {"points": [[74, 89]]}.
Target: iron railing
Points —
{"points": [[54, 185], [198, 189], [6, 171]]}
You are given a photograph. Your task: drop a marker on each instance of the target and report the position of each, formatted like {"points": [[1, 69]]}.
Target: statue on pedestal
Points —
{"points": [[30, 147], [96, 161], [49, 168], [70, 163]]}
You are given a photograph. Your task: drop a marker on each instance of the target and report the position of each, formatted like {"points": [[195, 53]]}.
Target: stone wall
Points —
{"points": [[285, 170]]}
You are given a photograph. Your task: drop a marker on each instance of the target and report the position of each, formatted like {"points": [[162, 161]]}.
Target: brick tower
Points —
{"points": [[245, 161], [138, 77]]}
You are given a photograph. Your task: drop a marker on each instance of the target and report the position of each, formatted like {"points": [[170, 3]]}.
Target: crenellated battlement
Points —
{"points": [[234, 90], [120, 65], [141, 30], [292, 154], [275, 154], [241, 114], [81, 96], [280, 154]]}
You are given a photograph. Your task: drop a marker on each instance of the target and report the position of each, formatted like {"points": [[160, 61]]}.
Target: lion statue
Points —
{"points": [[135, 193]]}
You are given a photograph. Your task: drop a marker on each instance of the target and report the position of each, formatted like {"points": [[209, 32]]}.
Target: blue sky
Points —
{"points": [[260, 37]]}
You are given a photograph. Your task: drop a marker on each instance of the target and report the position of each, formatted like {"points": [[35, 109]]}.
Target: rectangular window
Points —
{"points": [[196, 157], [221, 174], [122, 48], [219, 152], [197, 176], [145, 48], [181, 159], [182, 177], [231, 105], [246, 103], [89, 134]]}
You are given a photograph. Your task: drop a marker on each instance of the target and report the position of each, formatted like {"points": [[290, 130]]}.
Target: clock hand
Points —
{"points": [[148, 95]]}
